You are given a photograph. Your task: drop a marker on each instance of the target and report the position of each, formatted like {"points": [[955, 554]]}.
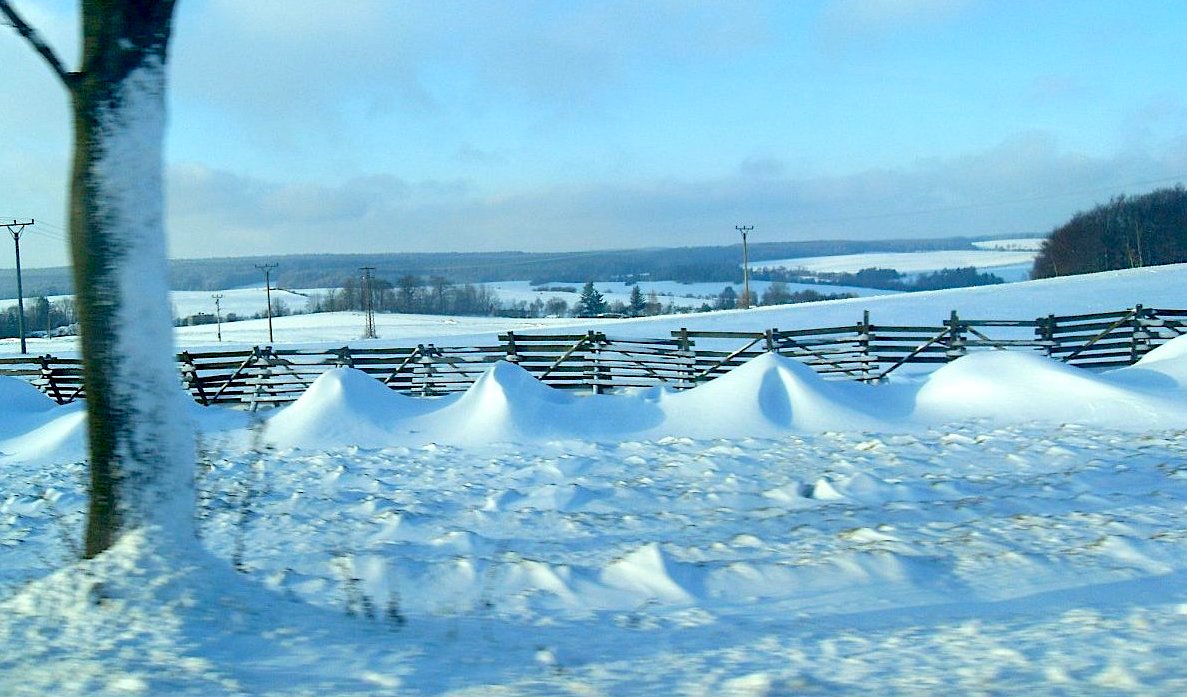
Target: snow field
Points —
{"points": [[909, 262]]}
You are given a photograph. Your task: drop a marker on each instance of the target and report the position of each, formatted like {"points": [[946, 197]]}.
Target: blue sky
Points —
{"points": [[377, 125]]}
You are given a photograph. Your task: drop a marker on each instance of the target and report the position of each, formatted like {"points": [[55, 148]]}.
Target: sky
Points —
{"points": [[300, 126]]}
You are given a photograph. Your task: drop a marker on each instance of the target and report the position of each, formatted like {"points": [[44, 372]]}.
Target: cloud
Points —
{"points": [[1026, 183], [276, 67]]}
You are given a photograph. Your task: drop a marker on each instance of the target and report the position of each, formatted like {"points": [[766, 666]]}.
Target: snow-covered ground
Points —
{"points": [[1004, 525]]}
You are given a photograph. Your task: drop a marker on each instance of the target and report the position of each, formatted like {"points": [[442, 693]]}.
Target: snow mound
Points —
{"points": [[58, 435], [1013, 387], [505, 403], [646, 573], [344, 406], [18, 396], [771, 394], [1165, 366], [508, 404]]}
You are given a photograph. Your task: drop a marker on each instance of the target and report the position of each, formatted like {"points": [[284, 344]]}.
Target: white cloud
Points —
{"points": [[1024, 184]]}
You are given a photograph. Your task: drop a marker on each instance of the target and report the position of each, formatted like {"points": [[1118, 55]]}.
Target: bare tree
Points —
{"points": [[141, 447]]}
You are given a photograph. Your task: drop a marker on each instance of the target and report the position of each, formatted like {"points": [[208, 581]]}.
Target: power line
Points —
{"points": [[54, 232], [267, 269], [15, 228]]}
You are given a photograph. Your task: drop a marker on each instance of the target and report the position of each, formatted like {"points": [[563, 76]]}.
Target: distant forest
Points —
{"points": [[1126, 232], [683, 264]]}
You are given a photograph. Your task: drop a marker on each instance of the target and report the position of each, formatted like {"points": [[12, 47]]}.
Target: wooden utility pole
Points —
{"points": [[267, 269], [218, 314], [15, 228], [368, 304], [745, 265]]}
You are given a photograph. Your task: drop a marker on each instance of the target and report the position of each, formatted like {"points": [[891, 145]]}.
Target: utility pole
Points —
{"points": [[267, 269], [15, 228], [745, 265], [218, 314], [368, 304]]}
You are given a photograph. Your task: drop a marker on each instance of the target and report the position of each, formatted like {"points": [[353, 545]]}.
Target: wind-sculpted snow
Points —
{"points": [[1017, 387], [1036, 559], [772, 394], [507, 404], [19, 397], [769, 396], [1164, 367], [346, 407]]}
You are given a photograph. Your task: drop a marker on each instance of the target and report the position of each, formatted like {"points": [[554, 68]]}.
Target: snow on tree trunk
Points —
{"points": [[141, 443]]}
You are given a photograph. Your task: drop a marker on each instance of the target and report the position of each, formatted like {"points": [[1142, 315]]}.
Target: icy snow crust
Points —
{"points": [[1006, 524]]}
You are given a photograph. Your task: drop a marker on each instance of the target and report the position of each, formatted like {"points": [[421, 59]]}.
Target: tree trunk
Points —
{"points": [[141, 446]]}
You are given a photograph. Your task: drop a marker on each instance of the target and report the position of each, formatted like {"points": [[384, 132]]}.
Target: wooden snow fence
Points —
{"points": [[265, 375], [58, 378], [1109, 339], [601, 363], [866, 351]]}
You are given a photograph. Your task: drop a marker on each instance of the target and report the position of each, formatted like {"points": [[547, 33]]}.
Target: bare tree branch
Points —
{"points": [[68, 78]]}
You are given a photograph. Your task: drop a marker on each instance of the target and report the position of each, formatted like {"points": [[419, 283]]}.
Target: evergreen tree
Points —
{"points": [[637, 304], [591, 303]]}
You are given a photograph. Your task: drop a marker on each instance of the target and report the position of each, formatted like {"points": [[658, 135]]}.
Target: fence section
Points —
{"points": [[594, 361]]}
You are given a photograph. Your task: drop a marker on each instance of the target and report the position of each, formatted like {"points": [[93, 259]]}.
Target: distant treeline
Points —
{"points": [[684, 264], [408, 295], [41, 317], [1126, 232]]}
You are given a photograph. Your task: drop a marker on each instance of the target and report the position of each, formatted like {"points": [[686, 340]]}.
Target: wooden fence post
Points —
{"points": [[262, 376], [50, 384], [956, 342], [1046, 331], [685, 345], [598, 372], [510, 349], [682, 337], [1140, 339], [864, 330], [343, 358], [769, 337], [427, 369], [189, 375]]}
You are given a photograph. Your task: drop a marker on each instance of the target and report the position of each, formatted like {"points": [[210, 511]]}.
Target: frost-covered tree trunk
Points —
{"points": [[141, 453], [141, 448]]}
